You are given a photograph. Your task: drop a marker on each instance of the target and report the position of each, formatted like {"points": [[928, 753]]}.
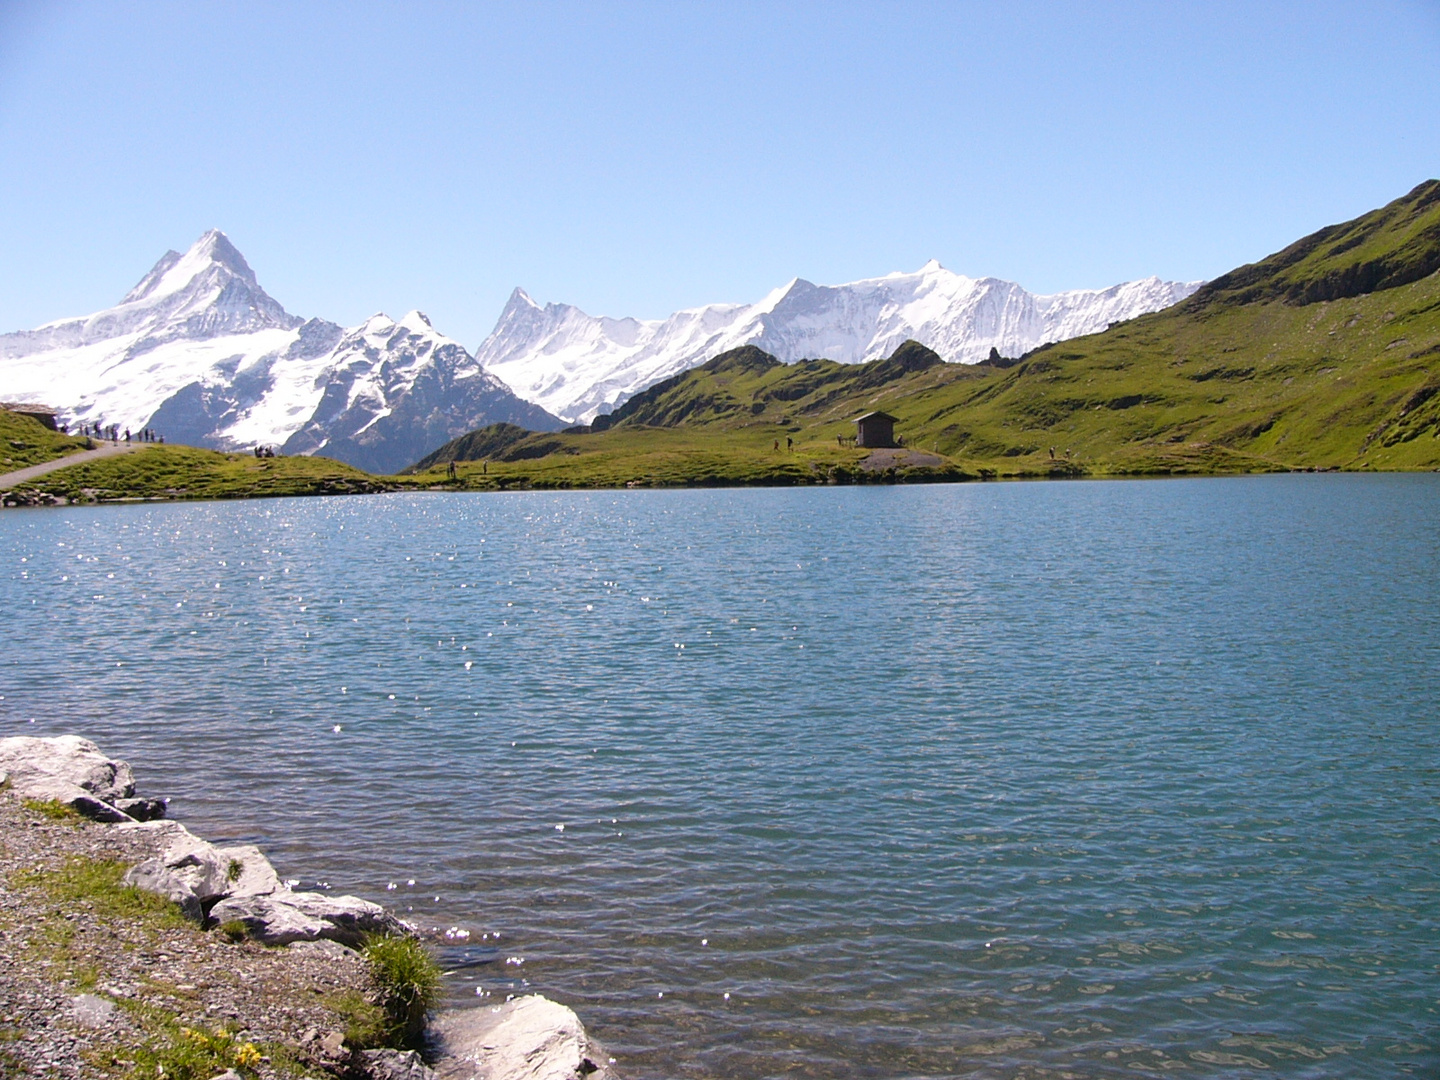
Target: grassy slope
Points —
{"points": [[719, 424], [183, 472], [1341, 384], [25, 441]]}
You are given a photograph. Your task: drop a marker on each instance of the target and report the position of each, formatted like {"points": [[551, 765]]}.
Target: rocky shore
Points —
{"points": [[131, 947]]}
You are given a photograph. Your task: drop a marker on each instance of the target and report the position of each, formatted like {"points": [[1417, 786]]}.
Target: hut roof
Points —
{"points": [[27, 407], [877, 415]]}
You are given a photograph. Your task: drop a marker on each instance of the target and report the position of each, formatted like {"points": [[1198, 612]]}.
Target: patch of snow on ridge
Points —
{"points": [[577, 365]]}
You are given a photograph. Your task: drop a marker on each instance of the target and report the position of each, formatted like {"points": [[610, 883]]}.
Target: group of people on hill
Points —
{"points": [[100, 430], [264, 451]]}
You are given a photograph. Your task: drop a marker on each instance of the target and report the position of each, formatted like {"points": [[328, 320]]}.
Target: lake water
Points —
{"points": [[1021, 780]]}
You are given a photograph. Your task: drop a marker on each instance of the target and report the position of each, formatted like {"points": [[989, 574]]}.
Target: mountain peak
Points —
{"points": [[215, 247], [211, 255]]}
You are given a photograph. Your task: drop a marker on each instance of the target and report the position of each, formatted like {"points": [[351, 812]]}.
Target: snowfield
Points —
{"points": [[577, 365]]}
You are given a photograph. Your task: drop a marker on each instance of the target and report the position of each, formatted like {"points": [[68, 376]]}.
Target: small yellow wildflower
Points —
{"points": [[246, 1056]]}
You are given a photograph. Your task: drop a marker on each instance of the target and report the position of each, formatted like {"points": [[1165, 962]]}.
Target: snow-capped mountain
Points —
{"points": [[577, 365], [200, 353]]}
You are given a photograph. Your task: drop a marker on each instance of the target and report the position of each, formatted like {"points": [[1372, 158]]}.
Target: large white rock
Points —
{"points": [[193, 872], [254, 876], [68, 758], [529, 1038], [284, 916], [72, 771]]}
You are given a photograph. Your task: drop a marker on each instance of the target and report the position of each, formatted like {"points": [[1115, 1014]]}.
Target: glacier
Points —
{"points": [[200, 353], [577, 365]]}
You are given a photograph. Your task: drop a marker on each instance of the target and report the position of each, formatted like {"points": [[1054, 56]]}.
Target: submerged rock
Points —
{"points": [[529, 1038], [395, 1065]]}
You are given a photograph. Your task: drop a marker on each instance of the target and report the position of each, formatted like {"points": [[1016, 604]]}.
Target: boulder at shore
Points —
{"points": [[73, 772], [529, 1038]]}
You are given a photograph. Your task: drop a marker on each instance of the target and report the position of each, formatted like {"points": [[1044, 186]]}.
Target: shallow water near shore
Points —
{"points": [[1068, 779]]}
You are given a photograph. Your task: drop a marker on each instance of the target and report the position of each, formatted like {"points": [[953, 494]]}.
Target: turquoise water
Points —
{"points": [[1065, 779]]}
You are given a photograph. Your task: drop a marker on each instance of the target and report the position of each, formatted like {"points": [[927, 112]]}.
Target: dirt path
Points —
{"points": [[892, 458], [19, 476]]}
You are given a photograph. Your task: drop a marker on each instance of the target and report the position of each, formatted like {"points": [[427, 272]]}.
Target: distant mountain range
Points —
{"points": [[201, 353], [577, 365], [1324, 355]]}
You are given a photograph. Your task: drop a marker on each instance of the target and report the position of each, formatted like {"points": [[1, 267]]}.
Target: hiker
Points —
{"points": [[1052, 453], [127, 434], [789, 444], [450, 470], [777, 444]]}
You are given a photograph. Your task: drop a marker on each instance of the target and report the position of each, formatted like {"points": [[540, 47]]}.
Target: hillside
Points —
{"points": [[25, 441], [183, 472], [1323, 356]]}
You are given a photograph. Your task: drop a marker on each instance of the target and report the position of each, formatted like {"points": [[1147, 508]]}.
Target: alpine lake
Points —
{"points": [[1081, 779]]}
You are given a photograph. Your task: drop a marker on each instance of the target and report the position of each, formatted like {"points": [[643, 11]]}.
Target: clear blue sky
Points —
{"points": [[634, 158]]}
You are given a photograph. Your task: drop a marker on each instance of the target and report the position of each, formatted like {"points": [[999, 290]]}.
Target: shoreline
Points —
{"points": [[24, 498], [137, 946]]}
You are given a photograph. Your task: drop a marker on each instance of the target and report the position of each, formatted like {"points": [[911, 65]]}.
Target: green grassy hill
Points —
{"points": [[184, 472], [1325, 355], [26, 441]]}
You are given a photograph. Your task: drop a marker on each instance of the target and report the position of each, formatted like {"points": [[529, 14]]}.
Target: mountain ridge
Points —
{"points": [[200, 352], [578, 366]]}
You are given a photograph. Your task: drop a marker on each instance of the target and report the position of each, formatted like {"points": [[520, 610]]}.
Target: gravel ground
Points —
{"points": [[125, 973]]}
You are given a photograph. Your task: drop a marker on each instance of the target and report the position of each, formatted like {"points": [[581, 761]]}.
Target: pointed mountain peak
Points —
{"points": [[215, 247], [418, 322], [212, 254], [521, 299]]}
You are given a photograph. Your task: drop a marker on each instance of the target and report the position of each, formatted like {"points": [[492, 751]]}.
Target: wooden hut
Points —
{"points": [[44, 414], [875, 429]]}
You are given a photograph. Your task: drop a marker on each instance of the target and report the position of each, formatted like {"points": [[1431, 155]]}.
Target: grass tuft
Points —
{"points": [[53, 809], [408, 983]]}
